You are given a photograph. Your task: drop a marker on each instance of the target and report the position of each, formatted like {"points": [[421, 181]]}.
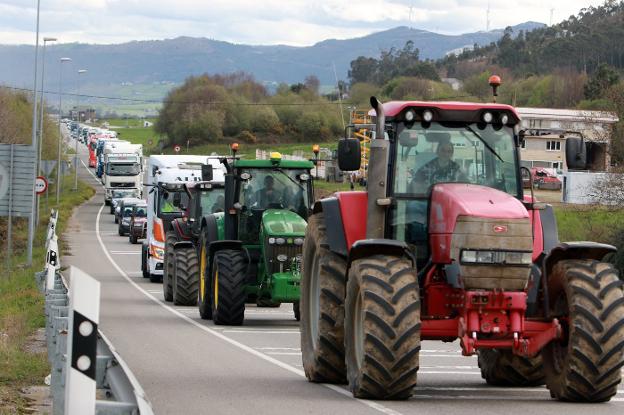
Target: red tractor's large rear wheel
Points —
{"points": [[382, 327], [500, 367], [585, 366], [322, 307]]}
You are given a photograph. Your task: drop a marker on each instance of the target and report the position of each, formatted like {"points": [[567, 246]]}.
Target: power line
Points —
{"points": [[216, 103]]}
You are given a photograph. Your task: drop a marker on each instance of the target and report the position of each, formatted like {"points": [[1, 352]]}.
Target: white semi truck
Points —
{"points": [[122, 167], [165, 176]]}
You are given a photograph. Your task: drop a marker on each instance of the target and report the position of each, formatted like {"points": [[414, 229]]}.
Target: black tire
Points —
{"points": [[186, 277], [203, 292], [112, 209], [116, 220], [133, 239], [500, 367], [382, 328], [267, 303], [228, 287], [322, 307], [168, 264], [155, 278], [586, 365], [119, 231], [297, 310], [144, 266]]}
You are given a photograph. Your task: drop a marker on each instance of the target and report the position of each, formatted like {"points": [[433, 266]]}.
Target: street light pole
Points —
{"points": [[80, 72], [33, 205], [45, 40], [60, 138]]}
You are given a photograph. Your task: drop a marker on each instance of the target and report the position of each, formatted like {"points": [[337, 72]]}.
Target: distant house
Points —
{"points": [[455, 83], [546, 131], [147, 123]]}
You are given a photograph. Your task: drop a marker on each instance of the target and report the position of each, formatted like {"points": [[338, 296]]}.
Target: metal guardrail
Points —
{"points": [[88, 375]]}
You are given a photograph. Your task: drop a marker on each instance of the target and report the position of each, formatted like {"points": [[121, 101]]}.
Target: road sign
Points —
{"points": [[17, 163], [41, 185], [47, 166], [176, 148]]}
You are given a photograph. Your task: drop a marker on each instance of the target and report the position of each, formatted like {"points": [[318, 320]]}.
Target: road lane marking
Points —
{"points": [[125, 253], [278, 348], [284, 353], [262, 331], [371, 404]]}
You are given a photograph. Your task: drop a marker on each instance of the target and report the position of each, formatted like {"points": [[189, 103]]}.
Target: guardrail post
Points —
{"points": [[84, 312]]}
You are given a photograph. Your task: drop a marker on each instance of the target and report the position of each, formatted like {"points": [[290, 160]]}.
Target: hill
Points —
{"points": [[171, 61]]}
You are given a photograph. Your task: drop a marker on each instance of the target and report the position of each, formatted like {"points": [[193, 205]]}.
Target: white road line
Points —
{"points": [[124, 253], [278, 348], [284, 353], [248, 349]]}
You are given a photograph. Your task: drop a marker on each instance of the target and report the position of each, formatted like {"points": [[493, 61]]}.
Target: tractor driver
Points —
{"points": [[267, 195], [439, 170]]}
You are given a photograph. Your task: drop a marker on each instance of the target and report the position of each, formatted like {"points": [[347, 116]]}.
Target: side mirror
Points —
{"points": [[207, 173], [177, 199], [349, 154]]}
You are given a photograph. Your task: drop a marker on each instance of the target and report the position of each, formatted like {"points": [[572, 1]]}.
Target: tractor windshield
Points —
{"points": [[455, 152], [441, 153], [271, 189], [212, 201]]}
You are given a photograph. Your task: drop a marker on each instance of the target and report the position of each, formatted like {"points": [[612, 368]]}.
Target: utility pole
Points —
{"points": [[60, 138], [31, 220], [45, 40], [80, 72], [487, 18]]}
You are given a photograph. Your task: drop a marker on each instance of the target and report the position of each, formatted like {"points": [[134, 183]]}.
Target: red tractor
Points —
{"points": [[444, 245]]}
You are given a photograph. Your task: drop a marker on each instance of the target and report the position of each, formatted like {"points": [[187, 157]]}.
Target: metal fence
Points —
{"points": [[88, 375]]}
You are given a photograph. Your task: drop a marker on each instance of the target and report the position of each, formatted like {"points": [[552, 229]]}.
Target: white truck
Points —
{"points": [[165, 176], [123, 165]]}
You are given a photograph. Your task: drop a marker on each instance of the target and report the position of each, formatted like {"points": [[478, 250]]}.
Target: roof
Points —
{"points": [[608, 117], [267, 164], [393, 108], [174, 160]]}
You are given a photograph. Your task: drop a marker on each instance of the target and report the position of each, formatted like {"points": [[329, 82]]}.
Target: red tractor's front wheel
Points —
{"points": [[585, 366], [382, 327]]}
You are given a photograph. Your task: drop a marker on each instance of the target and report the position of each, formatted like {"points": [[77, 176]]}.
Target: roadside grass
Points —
{"points": [[589, 223], [21, 303]]}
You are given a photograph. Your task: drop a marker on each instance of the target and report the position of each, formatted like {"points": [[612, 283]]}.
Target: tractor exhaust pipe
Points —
{"points": [[377, 176]]}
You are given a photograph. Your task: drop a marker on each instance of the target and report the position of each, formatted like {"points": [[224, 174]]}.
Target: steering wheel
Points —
{"points": [[275, 205]]}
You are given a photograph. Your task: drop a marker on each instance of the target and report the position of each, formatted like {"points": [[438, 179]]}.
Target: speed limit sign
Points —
{"points": [[41, 185], [176, 148]]}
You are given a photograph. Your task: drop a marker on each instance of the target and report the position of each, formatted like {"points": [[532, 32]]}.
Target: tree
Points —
{"points": [[603, 79], [312, 83]]}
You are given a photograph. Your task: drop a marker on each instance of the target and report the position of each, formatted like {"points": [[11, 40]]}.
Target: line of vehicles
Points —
{"points": [[427, 252]]}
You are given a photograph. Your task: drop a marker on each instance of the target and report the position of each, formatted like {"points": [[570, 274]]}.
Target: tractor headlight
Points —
{"points": [[280, 241], [505, 119], [488, 117], [496, 257], [409, 116], [298, 241], [282, 258], [271, 241]]}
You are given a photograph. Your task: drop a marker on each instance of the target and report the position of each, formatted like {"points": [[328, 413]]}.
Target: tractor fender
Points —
{"points": [[183, 244], [575, 250], [369, 247], [333, 224], [217, 246], [179, 227]]}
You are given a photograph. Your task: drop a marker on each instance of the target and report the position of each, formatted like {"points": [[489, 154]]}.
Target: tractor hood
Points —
{"points": [[451, 200], [278, 222]]}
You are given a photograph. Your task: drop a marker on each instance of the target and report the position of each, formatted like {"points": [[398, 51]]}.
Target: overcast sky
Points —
{"points": [[291, 22]]}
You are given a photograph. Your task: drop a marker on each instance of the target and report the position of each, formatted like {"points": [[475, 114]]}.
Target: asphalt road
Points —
{"points": [[190, 366]]}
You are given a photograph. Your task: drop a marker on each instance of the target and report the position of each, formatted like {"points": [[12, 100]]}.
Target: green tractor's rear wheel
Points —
{"points": [[322, 307], [500, 367], [203, 293], [228, 287], [186, 276], [168, 265], [585, 366], [382, 327]]}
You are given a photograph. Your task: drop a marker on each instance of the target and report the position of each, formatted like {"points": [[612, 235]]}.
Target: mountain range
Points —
{"points": [[171, 61]]}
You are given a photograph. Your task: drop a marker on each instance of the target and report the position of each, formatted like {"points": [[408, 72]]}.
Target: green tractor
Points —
{"points": [[251, 253]]}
